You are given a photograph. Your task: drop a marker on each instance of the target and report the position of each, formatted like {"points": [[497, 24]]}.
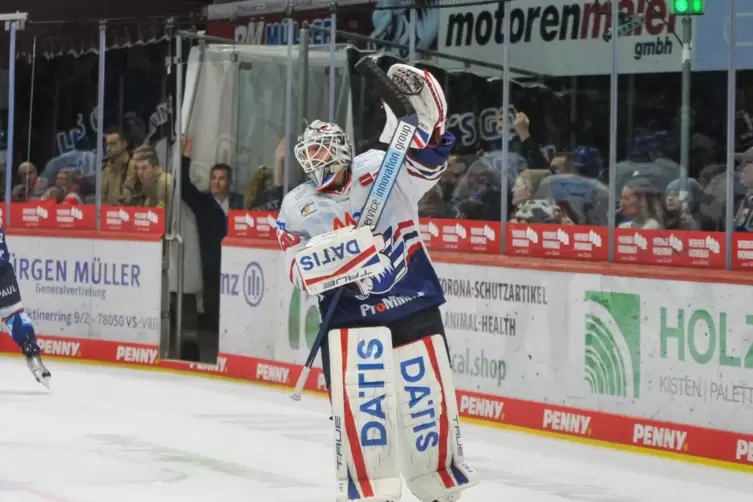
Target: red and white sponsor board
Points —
{"points": [[132, 219], [461, 235], [684, 248], [252, 224], [558, 241], [742, 251]]}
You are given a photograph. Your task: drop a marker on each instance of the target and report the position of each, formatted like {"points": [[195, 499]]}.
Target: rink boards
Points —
{"points": [[663, 366]]}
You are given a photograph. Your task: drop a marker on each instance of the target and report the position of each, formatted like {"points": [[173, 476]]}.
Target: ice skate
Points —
{"points": [[34, 361]]}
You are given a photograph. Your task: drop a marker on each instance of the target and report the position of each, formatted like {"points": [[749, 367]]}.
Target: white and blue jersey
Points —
{"points": [[408, 282]]}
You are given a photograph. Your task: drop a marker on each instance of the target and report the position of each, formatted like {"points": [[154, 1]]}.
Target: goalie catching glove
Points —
{"points": [[426, 95], [345, 256]]}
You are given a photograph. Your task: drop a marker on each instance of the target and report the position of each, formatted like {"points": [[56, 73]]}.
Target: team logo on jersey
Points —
{"points": [[308, 208], [366, 180], [393, 259]]}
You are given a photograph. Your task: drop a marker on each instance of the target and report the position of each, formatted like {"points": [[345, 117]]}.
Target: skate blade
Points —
{"points": [[45, 381]]}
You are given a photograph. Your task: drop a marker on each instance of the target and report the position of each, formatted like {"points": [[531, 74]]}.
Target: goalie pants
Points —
{"points": [[417, 325]]}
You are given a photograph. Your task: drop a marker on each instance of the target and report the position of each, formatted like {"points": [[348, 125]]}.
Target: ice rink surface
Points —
{"points": [[121, 435]]}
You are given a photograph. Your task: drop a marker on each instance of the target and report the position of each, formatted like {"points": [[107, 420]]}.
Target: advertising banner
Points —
{"points": [[93, 289], [676, 350], [687, 248], [565, 38], [558, 241]]}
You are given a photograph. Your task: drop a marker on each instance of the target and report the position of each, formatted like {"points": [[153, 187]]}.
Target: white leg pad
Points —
{"points": [[364, 409], [434, 467]]}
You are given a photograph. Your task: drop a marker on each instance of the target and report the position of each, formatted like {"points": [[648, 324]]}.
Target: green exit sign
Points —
{"points": [[687, 7]]}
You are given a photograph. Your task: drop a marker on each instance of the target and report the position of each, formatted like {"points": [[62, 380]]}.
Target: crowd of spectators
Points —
{"points": [[572, 187]]}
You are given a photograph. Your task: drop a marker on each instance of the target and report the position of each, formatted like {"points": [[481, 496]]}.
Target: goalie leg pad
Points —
{"points": [[364, 411], [434, 465]]}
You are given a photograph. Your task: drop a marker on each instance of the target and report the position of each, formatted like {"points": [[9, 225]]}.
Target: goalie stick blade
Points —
{"points": [[385, 87]]}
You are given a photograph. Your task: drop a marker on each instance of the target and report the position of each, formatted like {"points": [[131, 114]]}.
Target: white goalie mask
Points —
{"points": [[426, 96], [323, 150]]}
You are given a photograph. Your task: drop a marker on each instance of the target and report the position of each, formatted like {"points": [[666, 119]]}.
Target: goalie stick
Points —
{"points": [[380, 189]]}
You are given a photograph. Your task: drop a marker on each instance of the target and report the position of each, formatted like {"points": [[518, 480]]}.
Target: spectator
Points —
{"points": [[64, 191], [221, 178], [477, 195], [119, 169], [31, 186], [687, 216], [540, 211], [211, 227], [562, 163], [432, 204], [527, 185], [640, 204], [744, 214], [154, 187], [264, 192]]}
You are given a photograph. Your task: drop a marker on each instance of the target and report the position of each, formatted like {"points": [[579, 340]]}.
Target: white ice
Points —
{"points": [[123, 435]]}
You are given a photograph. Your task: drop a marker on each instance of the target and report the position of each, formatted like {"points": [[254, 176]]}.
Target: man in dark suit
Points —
{"points": [[210, 209]]}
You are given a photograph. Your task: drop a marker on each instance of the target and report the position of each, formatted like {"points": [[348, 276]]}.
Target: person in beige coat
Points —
{"points": [[118, 170]]}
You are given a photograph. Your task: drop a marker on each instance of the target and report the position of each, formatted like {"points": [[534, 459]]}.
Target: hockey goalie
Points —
{"points": [[385, 356]]}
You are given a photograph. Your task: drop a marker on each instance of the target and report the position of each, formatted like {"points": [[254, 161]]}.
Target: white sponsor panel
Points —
{"points": [[569, 37], [489, 317], [676, 350], [89, 288], [249, 301]]}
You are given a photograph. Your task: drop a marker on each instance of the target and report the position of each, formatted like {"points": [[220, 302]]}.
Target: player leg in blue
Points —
{"points": [[22, 332], [16, 319]]}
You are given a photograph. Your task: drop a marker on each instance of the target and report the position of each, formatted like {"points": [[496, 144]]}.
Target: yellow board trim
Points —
{"points": [[487, 423]]}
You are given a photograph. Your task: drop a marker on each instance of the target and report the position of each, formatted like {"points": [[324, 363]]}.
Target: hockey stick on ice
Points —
{"points": [[381, 187]]}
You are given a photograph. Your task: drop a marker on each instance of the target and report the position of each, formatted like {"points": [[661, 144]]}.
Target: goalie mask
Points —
{"points": [[323, 150]]}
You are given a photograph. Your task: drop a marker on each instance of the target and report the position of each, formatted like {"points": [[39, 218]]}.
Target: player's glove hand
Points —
{"points": [[338, 258], [20, 327], [426, 96]]}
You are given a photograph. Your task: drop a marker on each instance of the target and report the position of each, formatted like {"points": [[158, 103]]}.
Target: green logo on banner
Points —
{"points": [[303, 319], [613, 344]]}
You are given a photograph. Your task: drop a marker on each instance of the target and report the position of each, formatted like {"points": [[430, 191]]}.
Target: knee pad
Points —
{"points": [[433, 460], [364, 409]]}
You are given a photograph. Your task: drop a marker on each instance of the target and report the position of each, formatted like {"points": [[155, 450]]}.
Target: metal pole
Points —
{"points": [[332, 62], [731, 134], [11, 118], [303, 75], [630, 112], [412, 35], [505, 124], [573, 110], [288, 105], [31, 98], [100, 120], [296, 176], [177, 201], [687, 33], [614, 81]]}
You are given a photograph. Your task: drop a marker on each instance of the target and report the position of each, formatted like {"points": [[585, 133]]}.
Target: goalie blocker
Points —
{"points": [[395, 411]]}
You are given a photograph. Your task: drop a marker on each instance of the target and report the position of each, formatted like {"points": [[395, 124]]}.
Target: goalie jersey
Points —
{"points": [[408, 282]]}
